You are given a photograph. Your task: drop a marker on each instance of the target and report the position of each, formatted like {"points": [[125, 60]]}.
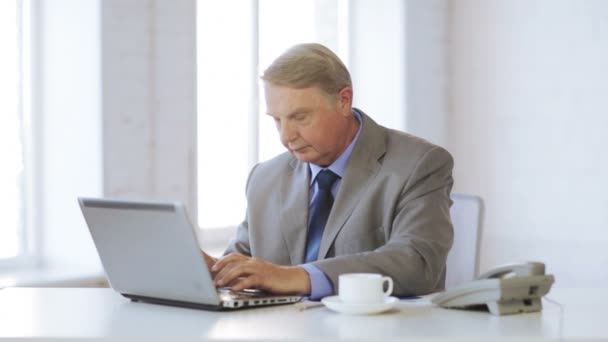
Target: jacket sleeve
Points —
{"points": [[240, 243]]}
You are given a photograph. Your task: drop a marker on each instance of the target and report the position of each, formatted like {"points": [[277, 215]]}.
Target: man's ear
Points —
{"points": [[345, 100]]}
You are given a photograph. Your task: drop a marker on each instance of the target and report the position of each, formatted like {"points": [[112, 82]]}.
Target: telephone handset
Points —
{"points": [[507, 289], [520, 270]]}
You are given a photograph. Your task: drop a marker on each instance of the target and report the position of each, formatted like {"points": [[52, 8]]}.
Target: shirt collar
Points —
{"points": [[339, 165]]}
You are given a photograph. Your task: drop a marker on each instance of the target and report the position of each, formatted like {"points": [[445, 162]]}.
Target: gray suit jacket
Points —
{"points": [[390, 216]]}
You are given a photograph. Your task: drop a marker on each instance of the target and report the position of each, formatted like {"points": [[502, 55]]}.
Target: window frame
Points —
{"points": [[29, 232]]}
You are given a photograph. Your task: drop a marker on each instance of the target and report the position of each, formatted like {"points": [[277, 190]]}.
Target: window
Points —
{"points": [[235, 44], [12, 175]]}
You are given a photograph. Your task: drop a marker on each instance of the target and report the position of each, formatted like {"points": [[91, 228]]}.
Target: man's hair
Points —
{"points": [[309, 65]]}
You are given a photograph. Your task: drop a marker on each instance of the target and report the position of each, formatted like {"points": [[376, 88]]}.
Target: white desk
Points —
{"points": [[92, 313]]}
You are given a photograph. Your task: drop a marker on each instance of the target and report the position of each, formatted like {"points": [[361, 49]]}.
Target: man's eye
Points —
{"points": [[300, 117]]}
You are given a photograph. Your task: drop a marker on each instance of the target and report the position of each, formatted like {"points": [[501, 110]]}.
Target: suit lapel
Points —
{"points": [[362, 168], [294, 209]]}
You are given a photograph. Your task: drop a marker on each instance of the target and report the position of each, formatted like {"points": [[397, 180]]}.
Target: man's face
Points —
{"points": [[313, 126]]}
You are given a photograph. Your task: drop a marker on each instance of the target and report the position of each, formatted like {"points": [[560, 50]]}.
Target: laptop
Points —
{"points": [[150, 253]]}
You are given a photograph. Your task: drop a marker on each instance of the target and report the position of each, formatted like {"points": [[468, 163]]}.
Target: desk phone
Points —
{"points": [[508, 289]]}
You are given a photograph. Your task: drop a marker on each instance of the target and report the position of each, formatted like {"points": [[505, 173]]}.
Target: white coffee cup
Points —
{"points": [[364, 288]]}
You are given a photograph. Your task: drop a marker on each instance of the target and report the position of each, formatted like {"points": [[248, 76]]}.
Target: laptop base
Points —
{"points": [[190, 305]]}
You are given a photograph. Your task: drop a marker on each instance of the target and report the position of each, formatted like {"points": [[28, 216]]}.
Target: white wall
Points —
{"points": [[426, 76], [527, 128], [377, 51], [398, 61]]}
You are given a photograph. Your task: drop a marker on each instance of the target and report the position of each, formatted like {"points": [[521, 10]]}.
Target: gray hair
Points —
{"points": [[308, 65]]}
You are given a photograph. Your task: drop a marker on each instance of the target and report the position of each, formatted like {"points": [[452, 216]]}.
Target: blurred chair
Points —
{"points": [[463, 259]]}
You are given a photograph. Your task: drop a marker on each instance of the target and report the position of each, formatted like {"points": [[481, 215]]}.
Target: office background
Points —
{"points": [[515, 90]]}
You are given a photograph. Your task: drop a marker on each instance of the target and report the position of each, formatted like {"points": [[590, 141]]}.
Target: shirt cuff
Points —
{"points": [[320, 285]]}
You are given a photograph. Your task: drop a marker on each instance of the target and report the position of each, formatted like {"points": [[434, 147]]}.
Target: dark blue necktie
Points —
{"points": [[321, 207]]}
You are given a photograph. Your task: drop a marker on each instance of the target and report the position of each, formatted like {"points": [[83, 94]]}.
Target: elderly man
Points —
{"points": [[348, 196]]}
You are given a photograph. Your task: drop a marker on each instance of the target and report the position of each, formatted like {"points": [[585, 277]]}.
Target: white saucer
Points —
{"points": [[334, 303]]}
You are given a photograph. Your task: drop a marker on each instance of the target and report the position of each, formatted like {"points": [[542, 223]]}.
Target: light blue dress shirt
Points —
{"points": [[320, 285]]}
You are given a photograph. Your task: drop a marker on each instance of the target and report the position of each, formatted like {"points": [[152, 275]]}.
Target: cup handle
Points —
{"points": [[389, 290]]}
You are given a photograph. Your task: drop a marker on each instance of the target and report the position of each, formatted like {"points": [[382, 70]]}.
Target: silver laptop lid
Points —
{"points": [[149, 249]]}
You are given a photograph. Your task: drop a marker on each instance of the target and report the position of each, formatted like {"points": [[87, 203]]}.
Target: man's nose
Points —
{"points": [[288, 133]]}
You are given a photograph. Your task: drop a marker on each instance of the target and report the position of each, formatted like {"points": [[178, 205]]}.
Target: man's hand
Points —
{"points": [[241, 272], [209, 260]]}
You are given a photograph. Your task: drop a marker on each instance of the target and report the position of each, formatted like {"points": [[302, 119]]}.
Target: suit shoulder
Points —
{"points": [[407, 148], [402, 141], [271, 169]]}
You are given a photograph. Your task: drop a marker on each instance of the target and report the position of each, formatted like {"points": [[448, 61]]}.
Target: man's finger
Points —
{"points": [[251, 282], [233, 271], [223, 261]]}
